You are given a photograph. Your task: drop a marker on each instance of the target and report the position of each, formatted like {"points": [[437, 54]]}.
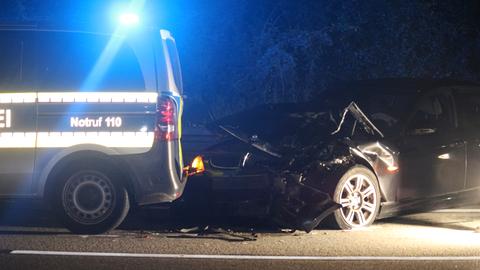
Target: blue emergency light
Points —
{"points": [[129, 19]]}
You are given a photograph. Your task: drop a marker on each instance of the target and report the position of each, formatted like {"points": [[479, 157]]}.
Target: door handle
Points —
{"points": [[457, 143], [424, 131]]}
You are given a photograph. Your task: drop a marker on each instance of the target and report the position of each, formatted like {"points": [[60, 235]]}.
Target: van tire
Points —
{"points": [[90, 198]]}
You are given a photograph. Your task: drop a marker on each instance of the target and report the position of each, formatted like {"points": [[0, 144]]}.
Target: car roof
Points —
{"points": [[397, 85]]}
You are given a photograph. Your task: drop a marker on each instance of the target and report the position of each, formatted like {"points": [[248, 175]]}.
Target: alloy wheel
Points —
{"points": [[359, 200]]}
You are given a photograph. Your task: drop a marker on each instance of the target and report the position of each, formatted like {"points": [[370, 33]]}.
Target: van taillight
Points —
{"points": [[166, 128]]}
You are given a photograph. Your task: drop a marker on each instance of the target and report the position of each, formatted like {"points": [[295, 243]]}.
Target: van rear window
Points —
{"points": [[69, 61]]}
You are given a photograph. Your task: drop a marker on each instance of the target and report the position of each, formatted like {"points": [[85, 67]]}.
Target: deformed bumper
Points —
{"points": [[303, 207], [292, 202], [157, 176]]}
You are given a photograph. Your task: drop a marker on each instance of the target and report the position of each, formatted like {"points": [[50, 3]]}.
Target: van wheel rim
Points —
{"points": [[359, 200], [88, 197]]}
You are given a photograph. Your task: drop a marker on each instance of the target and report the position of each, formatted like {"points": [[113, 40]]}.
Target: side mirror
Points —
{"points": [[423, 131]]}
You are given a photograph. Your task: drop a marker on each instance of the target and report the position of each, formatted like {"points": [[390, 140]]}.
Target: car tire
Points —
{"points": [[359, 194], [90, 199]]}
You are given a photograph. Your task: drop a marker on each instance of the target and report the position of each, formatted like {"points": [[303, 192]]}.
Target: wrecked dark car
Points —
{"points": [[366, 151]]}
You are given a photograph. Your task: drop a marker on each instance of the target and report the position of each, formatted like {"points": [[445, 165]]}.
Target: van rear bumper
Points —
{"points": [[157, 176]]}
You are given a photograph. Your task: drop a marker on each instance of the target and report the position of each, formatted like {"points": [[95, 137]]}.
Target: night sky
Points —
{"points": [[237, 54]]}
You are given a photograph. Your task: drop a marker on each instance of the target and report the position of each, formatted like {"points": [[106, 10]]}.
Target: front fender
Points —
{"points": [[383, 161]]}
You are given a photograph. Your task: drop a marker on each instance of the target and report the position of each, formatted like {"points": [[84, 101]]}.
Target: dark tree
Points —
{"points": [[237, 54]]}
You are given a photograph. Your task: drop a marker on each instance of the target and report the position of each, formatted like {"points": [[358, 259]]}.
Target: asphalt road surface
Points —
{"points": [[30, 239]]}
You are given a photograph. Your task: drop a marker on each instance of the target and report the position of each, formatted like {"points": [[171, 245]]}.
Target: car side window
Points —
{"points": [[16, 61], [432, 113], [469, 109]]}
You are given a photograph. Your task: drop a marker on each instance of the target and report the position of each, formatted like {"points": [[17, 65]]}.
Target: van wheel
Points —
{"points": [[90, 199], [359, 194]]}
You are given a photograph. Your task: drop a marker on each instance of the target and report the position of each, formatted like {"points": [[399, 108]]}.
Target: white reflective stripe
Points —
{"points": [[17, 139], [98, 97], [70, 97], [68, 139], [17, 97], [107, 139]]}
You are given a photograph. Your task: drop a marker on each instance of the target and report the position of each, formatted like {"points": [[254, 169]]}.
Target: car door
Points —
{"points": [[17, 113], [432, 152], [468, 99]]}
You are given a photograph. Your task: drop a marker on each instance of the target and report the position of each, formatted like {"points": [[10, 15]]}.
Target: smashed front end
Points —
{"points": [[294, 174]]}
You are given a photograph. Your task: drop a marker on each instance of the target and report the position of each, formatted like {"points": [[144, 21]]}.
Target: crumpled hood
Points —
{"points": [[279, 129], [302, 151]]}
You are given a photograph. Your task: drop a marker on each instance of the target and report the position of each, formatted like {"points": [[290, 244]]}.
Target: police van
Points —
{"points": [[90, 122]]}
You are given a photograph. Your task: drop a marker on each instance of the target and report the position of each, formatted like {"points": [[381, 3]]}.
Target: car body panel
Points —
{"points": [[420, 165]]}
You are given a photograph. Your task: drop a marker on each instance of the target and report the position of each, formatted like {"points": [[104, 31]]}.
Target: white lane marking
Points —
{"points": [[247, 257], [457, 211]]}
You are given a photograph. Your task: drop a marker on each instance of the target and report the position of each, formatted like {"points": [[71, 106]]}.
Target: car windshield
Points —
{"points": [[311, 121], [282, 123], [385, 109]]}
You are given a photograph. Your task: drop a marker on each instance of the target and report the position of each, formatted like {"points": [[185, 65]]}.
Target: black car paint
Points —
{"points": [[300, 183], [425, 180]]}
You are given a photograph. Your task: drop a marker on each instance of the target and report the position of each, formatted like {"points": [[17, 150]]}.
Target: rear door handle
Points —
{"points": [[457, 143]]}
